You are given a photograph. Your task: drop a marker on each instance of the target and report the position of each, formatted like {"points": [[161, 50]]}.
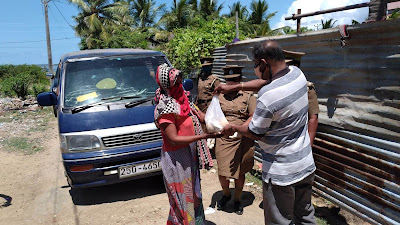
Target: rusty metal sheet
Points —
{"points": [[357, 149]]}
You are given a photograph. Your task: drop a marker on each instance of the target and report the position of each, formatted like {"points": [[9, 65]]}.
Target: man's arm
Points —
{"points": [[244, 130], [253, 85], [312, 126], [313, 110], [230, 129]]}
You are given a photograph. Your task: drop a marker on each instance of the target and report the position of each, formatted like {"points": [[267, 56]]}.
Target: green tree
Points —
{"points": [[97, 20], [193, 4], [260, 18], [124, 38], [179, 17], [189, 44], [210, 9], [328, 23], [242, 11], [394, 15], [145, 12], [290, 30]]}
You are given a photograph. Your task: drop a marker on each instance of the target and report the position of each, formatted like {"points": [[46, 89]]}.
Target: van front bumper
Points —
{"points": [[106, 165]]}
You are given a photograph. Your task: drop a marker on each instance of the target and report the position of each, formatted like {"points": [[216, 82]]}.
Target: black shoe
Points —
{"points": [[222, 202], [238, 208]]}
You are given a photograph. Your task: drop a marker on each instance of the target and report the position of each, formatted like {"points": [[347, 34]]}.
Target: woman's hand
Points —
{"points": [[228, 130], [214, 135]]}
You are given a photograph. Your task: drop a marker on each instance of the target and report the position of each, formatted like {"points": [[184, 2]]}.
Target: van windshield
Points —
{"points": [[90, 81]]}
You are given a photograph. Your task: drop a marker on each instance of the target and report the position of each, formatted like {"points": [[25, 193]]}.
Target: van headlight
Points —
{"points": [[79, 143]]}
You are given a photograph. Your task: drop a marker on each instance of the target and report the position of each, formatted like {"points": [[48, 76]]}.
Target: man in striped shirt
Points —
{"points": [[280, 124]]}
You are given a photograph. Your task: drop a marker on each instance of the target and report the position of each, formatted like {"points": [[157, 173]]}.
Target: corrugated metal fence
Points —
{"points": [[357, 150]]}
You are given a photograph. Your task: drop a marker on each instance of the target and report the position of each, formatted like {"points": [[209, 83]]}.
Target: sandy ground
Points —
{"points": [[34, 190]]}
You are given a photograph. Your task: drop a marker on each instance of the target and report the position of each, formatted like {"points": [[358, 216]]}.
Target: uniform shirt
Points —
{"points": [[281, 119], [237, 108], [205, 91]]}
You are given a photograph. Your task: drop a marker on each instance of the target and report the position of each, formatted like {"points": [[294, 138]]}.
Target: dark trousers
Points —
{"points": [[289, 204]]}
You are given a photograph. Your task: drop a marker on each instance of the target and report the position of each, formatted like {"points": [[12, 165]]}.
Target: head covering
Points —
{"points": [[232, 71], [206, 67], [291, 55], [206, 61], [175, 97], [171, 98]]}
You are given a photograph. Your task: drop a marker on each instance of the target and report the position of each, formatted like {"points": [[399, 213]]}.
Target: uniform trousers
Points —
{"points": [[289, 204]]}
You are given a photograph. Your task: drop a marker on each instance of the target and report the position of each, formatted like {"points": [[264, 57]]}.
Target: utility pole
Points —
{"points": [[46, 17], [237, 24]]}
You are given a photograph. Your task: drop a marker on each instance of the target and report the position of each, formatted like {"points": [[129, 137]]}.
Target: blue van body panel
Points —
{"points": [[105, 119]]}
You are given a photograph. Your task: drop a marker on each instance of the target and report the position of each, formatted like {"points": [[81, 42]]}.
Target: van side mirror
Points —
{"points": [[47, 99], [50, 75], [54, 86], [187, 84]]}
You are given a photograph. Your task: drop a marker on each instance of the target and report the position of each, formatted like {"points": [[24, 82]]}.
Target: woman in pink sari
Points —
{"points": [[184, 147]]}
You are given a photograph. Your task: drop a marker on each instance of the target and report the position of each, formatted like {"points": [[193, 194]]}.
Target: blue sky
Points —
{"points": [[23, 36]]}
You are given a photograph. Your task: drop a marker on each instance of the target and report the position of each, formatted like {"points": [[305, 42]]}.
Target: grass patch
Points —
{"points": [[21, 144], [321, 221], [254, 176], [42, 118], [8, 117]]}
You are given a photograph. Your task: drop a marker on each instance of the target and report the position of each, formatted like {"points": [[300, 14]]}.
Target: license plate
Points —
{"points": [[137, 169]]}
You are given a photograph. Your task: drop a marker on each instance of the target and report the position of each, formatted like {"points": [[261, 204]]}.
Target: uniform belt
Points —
{"points": [[201, 101]]}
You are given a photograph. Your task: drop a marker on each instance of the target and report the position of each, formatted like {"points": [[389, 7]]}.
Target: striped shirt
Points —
{"points": [[281, 119]]}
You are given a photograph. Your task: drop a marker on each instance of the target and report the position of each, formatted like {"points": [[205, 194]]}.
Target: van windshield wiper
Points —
{"points": [[138, 102], [101, 102]]}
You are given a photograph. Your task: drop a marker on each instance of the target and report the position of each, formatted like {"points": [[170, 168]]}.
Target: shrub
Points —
{"points": [[137, 38], [16, 80], [189, 44], [39, 88], [17, 85]]}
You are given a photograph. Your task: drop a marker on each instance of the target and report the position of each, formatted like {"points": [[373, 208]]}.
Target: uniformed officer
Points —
{"points": [[293, 59], [207, 83], [235, 154]]}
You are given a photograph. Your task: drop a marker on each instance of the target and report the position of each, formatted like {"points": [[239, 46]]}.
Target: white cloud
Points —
{"points": [[307, 6]]}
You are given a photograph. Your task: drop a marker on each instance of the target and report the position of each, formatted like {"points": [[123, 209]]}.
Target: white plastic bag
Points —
{"points": [[215, 118]]}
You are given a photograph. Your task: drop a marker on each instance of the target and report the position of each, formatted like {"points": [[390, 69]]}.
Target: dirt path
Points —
{"points": [[33, 190]]}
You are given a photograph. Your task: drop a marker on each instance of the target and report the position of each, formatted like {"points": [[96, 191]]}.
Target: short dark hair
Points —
{"points": [[294, 62], [269, 50]]}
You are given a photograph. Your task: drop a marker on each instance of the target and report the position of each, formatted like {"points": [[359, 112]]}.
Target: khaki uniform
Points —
{"points": [[205, 91], [313, 107], [235, 156]]}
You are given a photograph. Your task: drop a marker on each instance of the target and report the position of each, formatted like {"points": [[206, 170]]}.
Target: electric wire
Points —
{"points": [[56, 22], [62, 15], [22, 42]]}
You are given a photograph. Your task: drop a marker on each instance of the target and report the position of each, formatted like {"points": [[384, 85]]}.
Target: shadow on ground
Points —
{"points": [[247, 199], [118, 192], [329, 214]]}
